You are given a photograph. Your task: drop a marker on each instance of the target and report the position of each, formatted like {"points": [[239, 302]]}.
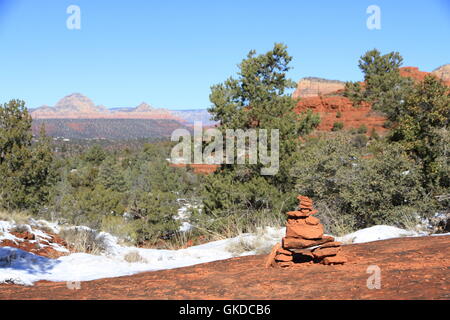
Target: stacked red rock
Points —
{"points": [[304, 240]]}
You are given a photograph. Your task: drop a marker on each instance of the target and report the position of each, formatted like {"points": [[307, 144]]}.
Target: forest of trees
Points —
{"points": [[356, 179]]}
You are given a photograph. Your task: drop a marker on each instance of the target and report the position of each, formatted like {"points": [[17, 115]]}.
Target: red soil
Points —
{"points": [[411, 268]]}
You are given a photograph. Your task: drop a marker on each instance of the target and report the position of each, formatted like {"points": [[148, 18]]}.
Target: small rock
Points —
{"points": [[283, 258], [270, 260], [320, 253], [312, 221], [284, 251], [334, 260]]}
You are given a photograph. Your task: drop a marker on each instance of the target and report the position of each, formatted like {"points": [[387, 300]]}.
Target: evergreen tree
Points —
{"points": [[423, 125], [25, 168], [383, 86], [259, 98]]}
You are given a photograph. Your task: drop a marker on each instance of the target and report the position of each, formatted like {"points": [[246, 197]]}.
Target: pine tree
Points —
{"points": [[259, 98], [423, 125], [25, 167], [384, 88]]}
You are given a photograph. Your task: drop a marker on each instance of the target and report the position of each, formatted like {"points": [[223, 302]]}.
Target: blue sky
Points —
{"points": [[169, 53]]}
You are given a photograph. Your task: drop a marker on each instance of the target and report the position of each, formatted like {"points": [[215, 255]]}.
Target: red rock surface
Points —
{"points": [[411, 268], [443, 72], [330, 107], [40, 248]]}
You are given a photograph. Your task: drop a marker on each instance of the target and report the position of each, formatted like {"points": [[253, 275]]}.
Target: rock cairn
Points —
{"points": [[304, 241]]}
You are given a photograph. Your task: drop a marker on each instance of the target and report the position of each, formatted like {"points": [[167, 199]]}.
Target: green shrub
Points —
{"points": [[362, 129], [337, 126], [361, 187], [360, 141]]}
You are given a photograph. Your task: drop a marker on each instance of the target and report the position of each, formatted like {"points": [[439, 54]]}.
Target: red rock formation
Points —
{"points": [[413, 72], [311, 87], [328, 103], [304, 241], [443, 72], [333, 109], [198, 168]]}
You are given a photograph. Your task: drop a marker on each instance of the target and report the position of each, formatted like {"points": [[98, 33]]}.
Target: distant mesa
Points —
{"points": [[143, 107], [78, 117], [78, 106]]}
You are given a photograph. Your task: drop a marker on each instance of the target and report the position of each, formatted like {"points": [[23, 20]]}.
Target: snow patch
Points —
{"points": [[375, 233]]}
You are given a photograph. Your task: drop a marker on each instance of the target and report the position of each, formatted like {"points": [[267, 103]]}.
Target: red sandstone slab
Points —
{"points": [[297, 243], [284, 251], [304, 231], [312, 221], [331, 244], [320, 253], [283, 258], [270, 260], [298, 214], [338, 259]]}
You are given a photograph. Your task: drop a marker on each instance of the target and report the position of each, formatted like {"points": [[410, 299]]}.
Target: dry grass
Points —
{"points": [[18, 217], [336, 224], [81, 240], [134, 257]]}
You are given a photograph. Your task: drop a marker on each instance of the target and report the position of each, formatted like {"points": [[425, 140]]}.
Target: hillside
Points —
{"points": [[114, 129], [78, 117], [324, 97]]}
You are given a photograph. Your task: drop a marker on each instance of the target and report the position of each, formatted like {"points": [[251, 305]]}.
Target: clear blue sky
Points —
{"points": [[168, 53]]}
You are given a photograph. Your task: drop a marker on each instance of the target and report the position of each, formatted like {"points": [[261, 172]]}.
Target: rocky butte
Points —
{"points": [[312, 87], [325, 98]]}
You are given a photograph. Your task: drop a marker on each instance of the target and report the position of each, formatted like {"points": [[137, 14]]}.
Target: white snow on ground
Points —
{"points": [[183, 215], [17, 266], [375, 233]]}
